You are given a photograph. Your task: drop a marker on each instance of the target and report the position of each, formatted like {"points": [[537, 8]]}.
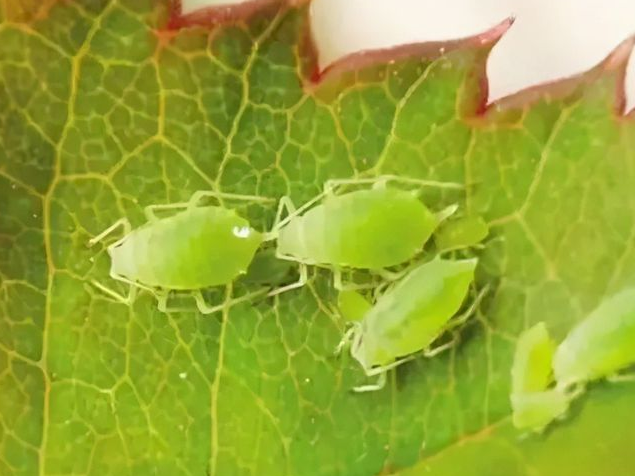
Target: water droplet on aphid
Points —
{"points": [[241, 232], [183, 375]]}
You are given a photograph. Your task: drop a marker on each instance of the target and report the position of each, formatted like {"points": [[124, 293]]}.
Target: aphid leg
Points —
{"points": [[298, 284], [381, 371], [204, 307], [393, 275], [423, 182], [373, 387], [150, 214], [197, 196], [348, 336], [461, 318], [621, 378], [439, 349], [162, 301], [392, 365], [285, 204], [381, 289], [207, 309], [127, 300], [122, 222]]}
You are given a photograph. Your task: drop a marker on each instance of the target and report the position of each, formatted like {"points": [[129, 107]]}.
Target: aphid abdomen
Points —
{"points": [[368, 229], [377, 228], [600, 345], [193, 249], [412, 315]]}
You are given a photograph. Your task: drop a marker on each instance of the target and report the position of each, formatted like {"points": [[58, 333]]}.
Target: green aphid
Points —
{"points": [[459, 233], [373, 228], [195, 248], [408, 317], [534, 405]]}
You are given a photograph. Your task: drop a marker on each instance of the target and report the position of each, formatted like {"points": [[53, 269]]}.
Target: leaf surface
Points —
{"points": [[101, 116]]}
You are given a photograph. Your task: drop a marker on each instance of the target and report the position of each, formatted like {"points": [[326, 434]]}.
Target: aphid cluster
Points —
{"points": [[600, 346], [379, 228]]}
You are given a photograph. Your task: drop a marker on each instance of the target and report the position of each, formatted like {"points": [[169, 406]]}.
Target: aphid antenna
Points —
{"points": [[332, 183], [220, 196], [122, 222]]}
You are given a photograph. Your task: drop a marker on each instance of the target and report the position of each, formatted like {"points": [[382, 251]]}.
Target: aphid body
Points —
{"points": [[534, 405], [373, 228], [531, 370], [195, 248], [534, 411], [460, 233], [409, 317], [600, 345], [370, 229]]}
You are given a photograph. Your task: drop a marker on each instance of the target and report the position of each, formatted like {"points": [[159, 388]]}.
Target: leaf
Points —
{"points": [[101, 115], [546, 41]]}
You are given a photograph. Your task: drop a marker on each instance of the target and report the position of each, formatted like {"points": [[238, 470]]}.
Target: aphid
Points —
{"points": [[372, 229], [535, 410], [196, 248], [410, 316], [531, 370], [599, 346], [533, 405], [463, 232]]}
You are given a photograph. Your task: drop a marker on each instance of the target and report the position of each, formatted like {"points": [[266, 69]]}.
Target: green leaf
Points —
{"points": [[101, 115]]}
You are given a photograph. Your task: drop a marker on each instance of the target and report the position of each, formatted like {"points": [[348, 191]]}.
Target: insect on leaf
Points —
{"points": [[102, 114]]}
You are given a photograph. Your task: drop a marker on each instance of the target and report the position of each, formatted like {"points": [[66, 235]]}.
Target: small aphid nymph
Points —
{"points": [[462, 232], [534, 405], [531, 370]]}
